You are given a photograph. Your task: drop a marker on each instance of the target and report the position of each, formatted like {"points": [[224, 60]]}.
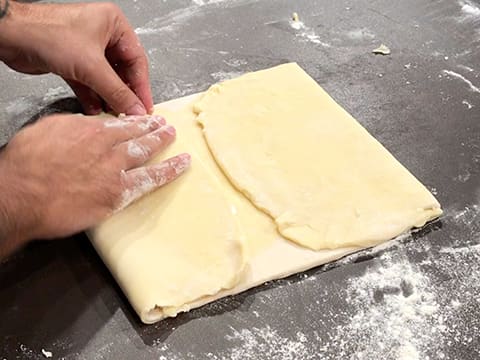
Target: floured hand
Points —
{"points": [[65, 173]]}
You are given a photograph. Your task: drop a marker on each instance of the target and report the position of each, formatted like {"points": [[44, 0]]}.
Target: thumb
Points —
{"points": [[110, 87]]}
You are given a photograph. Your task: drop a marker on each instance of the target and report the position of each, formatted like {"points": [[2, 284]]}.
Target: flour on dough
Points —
{"points": [[177, 245]]}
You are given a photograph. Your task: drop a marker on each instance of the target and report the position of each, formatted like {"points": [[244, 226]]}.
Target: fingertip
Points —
{"points": [[169, 129], [184, 161]]}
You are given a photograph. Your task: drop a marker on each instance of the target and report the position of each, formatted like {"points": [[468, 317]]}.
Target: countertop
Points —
{"points": [[418, 298]]}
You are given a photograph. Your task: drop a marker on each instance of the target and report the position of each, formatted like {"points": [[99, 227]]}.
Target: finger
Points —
{"points": [[136, 152], [141, 181], [126, 51], [90, 101], [111, 88], [124, 128]]}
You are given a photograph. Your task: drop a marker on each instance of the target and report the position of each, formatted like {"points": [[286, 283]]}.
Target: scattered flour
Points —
{"points": [[150, 30], [53, 94], [465, 67], [235, 62], [19, 106], [47, 354], [306, 34], [225, 75], [172, 20], [393, 304], [138, 150], [464, 79], [467, 104], [247, 344], [360, 34], [207, 2], [469, 8]]}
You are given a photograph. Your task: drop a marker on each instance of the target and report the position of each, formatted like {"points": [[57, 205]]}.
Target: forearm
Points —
{"points": [[17, 214], [10, 238]]}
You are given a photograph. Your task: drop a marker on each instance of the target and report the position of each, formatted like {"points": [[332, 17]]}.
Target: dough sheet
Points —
{"points": [[282, 180]]}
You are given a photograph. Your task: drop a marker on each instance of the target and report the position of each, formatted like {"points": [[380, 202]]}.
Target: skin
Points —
{"points": [[66, 173]]}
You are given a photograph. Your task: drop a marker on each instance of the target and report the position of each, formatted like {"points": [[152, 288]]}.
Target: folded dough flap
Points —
{"points": [[174, 246], [302, 159]]}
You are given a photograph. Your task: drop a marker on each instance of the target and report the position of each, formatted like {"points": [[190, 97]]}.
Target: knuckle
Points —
{"points": [[84, 71], [110, 8]]}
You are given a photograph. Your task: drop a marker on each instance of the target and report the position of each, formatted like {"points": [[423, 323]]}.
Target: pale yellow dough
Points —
{"points": [[303, 160], [289, 148], [180, 243]]}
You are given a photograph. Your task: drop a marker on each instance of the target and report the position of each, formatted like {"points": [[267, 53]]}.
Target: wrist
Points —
{"points": [[10, 239], [7, 21], [12, 28]]}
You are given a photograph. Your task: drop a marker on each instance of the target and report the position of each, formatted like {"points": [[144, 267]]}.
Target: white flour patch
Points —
{"points": [[360, 34], [465, 67], [207, 2], [168, 22], [53, 94], [137, 150], [116, 123], [150, 30], [469, 9], [47, 354], [463, 177], [463, 78], [144, 184], [393, 304], [306, 34], [225, 75], [174, 19], [19, 106], [248, 344], [235, 62]]}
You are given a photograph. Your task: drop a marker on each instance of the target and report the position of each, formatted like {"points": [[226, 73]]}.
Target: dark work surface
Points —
{"points": [[417, 299]]}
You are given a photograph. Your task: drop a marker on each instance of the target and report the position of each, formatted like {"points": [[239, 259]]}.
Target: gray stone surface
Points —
{"points": [[415, 300]]}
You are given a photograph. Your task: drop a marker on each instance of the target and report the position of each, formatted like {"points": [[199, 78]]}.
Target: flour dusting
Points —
{"points": [[393, 304], [306, 34], [469, 8], [463, 78], [138, 150], [225, 75], [53, 94], [360, 34], [19, 106], [206, 2], [247, 344]]}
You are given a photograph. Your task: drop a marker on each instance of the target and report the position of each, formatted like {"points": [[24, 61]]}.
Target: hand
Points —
{"points": [[90, 45], [66, 173]]}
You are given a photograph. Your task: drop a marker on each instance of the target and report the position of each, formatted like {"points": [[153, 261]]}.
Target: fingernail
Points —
{"points": [[169, 129], [137, 109], [184, 162], [159, 119]]}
